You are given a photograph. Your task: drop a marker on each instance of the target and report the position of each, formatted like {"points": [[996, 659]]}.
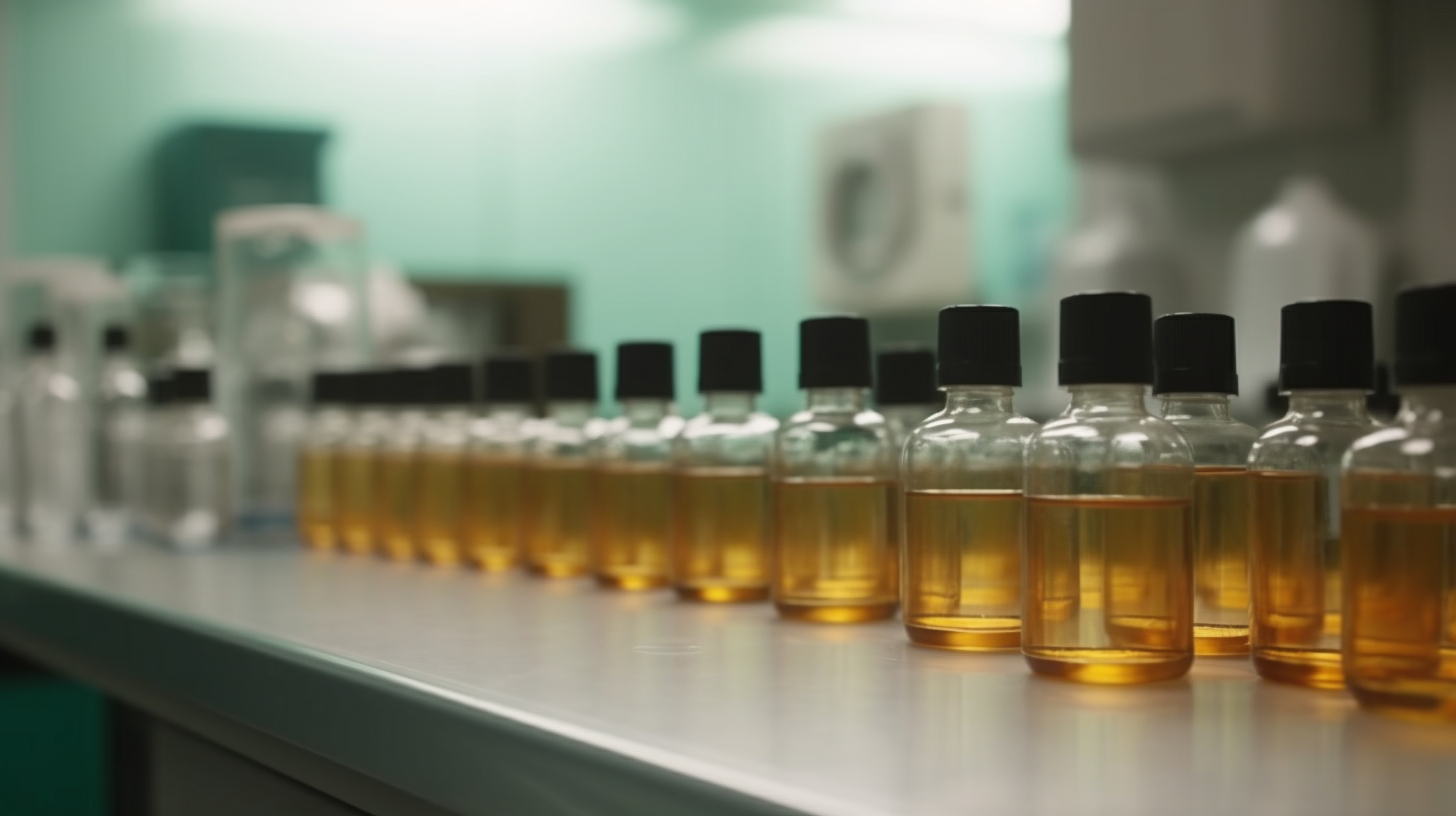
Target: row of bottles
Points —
{"points": [[1111, 544]]}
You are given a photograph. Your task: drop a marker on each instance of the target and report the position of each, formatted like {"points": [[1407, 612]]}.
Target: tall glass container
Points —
{"points": [[53, 442], [720, 550], [1399, 526], [961, 473], [833, 480], [119, 426], [559, 497], [440, 503], [1326, 366], [1108, 580], [291, 300], [496, 482], [1195, 378]]}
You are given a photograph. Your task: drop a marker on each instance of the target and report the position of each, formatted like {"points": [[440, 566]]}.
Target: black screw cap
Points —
{"points": [[1327, 344], [834, 352], [571, 375], [644, 370], [730, 360], [509, 378], [980, 345], [905, 376], [1106, 338], [115, 338], [1193, 353], [450, 384], [1425, 335], [42, 337]]}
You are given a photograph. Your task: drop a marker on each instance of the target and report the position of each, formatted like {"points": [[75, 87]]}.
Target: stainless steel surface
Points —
{"points": [[469, 691]]}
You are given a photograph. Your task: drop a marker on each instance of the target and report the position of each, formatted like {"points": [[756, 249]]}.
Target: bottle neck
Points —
{"points": [[1121, 399], [836, 399], [1195, 406], [729, 406], [645, 413], [1329, 404], [571, 414], [978, 399], [1428, 403], [509, 412]]}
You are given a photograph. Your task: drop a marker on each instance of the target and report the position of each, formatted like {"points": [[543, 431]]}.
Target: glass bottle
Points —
{"points": [[720, 549], [833, 478], [961, 473], [1326, 366], [495, 512], [188, 472], [120, 427], [318, 468], [1195, 377], [406, 397], [1399, 527], [558, 472], [633, 489], [441, 464], [1108, 578], [358, 498], [53, 444]]}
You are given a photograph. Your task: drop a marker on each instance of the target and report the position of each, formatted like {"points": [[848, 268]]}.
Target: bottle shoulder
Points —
{"points": [[1298, 442], [1411, 447], [850, 424], [1143, 431], [1217, 441]]}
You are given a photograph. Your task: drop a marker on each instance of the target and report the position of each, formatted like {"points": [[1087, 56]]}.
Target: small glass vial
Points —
{"points": [[406, 395], [441, 464], [1108, 576], [357, 516], [559, 469], [318, 467], [188, 472], [833, 482], [53, 444], [1399, 527], [495, 510], [720, 549], [120, 428], [961, 473], [633, 488], [905, 392], [1195, 376], [1326, 366]]}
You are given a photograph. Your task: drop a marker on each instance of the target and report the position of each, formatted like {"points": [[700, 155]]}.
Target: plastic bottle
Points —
{"points": [[120, 428], [1195, 375], [1108, 592], [720, 549], [559, 471], [188, 472], [497, 470], [1326, 365], [962, 476], [1399, 528], [441, 465], [319, 466], [833, 478], [54, 444]]}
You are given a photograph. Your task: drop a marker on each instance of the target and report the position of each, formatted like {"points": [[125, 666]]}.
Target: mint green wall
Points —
{"points": [[669, 184]]}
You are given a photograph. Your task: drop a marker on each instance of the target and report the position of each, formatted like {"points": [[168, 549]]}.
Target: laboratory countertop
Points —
{"points": [[509, 693]]}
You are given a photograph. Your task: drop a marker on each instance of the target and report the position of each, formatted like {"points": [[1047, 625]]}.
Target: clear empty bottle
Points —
{"points": [[961, 472], [1326, 366], [833, 479], [634, 472], [495, 510], [1399, 527], [406, 396], [120, 431], [357, 498], [319, 466], [53, 443], [720, 550], [1108, 578], [559, 471], [187, 466], [1195, 378], [441, 465]]}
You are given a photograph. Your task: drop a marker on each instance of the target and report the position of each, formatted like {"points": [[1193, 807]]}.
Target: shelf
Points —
{"points": [[508, 694]]}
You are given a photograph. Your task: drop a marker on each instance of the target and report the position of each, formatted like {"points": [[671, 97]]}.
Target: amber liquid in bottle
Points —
{"points": [[395, 511], [558, 519], [1296, 580], [634, 526], [354, 500], [834, 550], [439, 507], [316, 490], [720, 550], [1400, 596], [1108, 597], [963, 568], [1220, 561], [495, 513]]}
